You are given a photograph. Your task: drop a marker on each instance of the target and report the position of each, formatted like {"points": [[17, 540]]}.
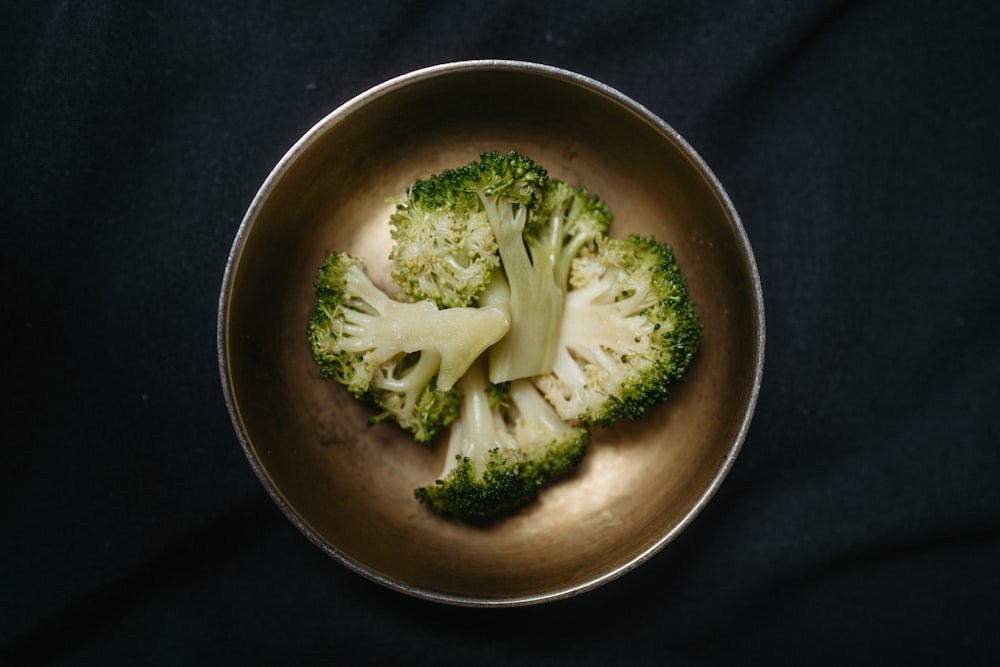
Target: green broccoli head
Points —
{"points": [[403, 356], [629, 333], [506, 446], [445, 247], [568, 220], [505, 176]]}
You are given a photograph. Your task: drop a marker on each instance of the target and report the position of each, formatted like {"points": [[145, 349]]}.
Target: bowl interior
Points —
{"points": [[349, 486]]}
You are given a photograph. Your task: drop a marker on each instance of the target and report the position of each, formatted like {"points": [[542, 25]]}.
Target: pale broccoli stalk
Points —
{"points": [[404, 356], [537, 246], [507, 444], [508, 187], [629, 332]]}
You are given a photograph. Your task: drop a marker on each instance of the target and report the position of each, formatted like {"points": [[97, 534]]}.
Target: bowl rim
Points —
{"points": [[318, 129]]}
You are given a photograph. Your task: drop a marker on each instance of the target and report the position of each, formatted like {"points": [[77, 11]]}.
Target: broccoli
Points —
{"points": [[629, 332], [404, 356], [497, 231], [445, 250], [445, 231], [568, 221], [526, 324], [507, 444]]}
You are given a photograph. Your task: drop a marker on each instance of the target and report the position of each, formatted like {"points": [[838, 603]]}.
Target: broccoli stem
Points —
{"points": [[536, 300], [477, 432], [532, 406]]}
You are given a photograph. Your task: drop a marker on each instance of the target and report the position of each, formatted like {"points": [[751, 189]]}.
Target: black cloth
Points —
{"points": [[859, 142]]}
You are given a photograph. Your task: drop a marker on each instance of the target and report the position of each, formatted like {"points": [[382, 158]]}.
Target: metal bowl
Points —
{"points": [[348, 486]]}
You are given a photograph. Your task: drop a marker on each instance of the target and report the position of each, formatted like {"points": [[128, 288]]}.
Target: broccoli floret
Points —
{"points": [[404, 356], [629, 332], [569, 220], [445, 250], [508, 444], [458, 228], [445, 241]]}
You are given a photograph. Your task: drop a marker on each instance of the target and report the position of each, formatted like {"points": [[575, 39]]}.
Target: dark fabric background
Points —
{"points": [[858, 140]]}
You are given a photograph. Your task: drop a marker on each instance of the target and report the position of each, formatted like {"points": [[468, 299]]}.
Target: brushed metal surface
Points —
{"points": [[349, 487]]}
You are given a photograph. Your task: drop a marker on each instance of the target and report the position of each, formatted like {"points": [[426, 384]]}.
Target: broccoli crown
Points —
{"points": [[404, 357], [509, 176], [568, 219], [506, 446], [445, 248], [629, 332]]}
